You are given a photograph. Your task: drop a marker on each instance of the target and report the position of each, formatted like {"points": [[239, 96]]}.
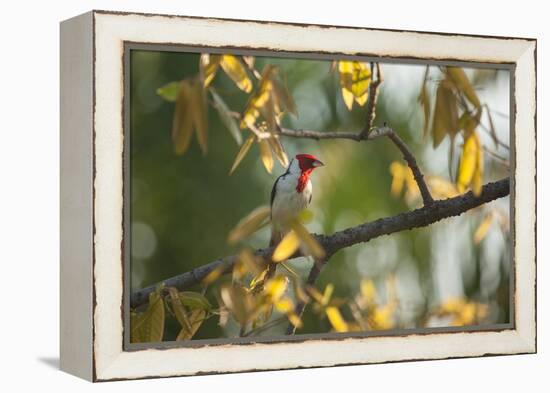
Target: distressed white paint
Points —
{"points": [[112, 362]]}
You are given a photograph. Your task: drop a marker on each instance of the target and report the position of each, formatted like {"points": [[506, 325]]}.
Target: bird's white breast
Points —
{"points": [[288, 202]]}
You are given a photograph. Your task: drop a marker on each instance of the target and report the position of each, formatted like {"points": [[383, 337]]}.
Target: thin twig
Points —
{"points": [[267, 326], [497, 156], [371, 101], [375, 132], [411, 161], [311, 279]]}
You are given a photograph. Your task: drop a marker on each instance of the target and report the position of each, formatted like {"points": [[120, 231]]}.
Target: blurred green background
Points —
{"points": [[183, 206]]}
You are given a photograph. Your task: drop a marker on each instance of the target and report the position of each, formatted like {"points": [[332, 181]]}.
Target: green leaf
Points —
{"points": [[461, 81], [148, 326], [424, 100], [194, 300], [311, 244], [249, 224], [445, 114], [169, 91], [242, 153], [179, 310], [195, 318], [227, 119], [239, 302], [182, 125], [200, 116], [190, 321]]}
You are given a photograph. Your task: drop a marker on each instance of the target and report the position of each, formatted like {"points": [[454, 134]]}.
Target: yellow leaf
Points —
{"points": [[483, 229], [398, 178], [198, 108], [278, 150], [208, 67], [441, 188], [182, 125], [462, 311], [284, 305], [445, 119], [294, 320], [286, 247], [368, 291], [327, 294], [336, 319], [477, 181], [312, 245], [381, 318], [242, 153], [355, 78], [470, 170], [305, 216], [275, 288], [236, 71], [265, 154], [259, 99], [347, 95], [249, 224], [461, 81]]}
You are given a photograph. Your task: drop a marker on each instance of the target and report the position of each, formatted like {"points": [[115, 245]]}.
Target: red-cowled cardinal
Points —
{"points": [[291, 194]]}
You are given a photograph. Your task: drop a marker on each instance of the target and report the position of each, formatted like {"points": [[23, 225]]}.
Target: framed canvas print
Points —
{"points": [[245, 195]]}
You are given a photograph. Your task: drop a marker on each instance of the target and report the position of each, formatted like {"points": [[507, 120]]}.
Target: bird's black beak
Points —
{"points": [[317, 164]]}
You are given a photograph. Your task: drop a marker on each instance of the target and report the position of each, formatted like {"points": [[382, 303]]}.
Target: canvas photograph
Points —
{"points": [[277, 196]]}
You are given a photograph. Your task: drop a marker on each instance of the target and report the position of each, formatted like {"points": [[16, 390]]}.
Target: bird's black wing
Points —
{"points": [[274, 189]]}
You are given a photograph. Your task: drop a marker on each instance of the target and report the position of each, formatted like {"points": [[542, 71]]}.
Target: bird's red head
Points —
{"points": [[308, 162]]}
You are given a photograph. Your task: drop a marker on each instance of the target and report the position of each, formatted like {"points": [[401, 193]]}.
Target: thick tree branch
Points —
{"points": [[418, 218]]}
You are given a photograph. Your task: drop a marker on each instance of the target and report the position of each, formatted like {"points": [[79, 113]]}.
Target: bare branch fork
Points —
{"points": [[368, 133], [418, 218]]}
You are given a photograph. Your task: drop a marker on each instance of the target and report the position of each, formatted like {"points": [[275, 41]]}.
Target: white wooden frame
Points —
{"points": [[92, 141]]}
